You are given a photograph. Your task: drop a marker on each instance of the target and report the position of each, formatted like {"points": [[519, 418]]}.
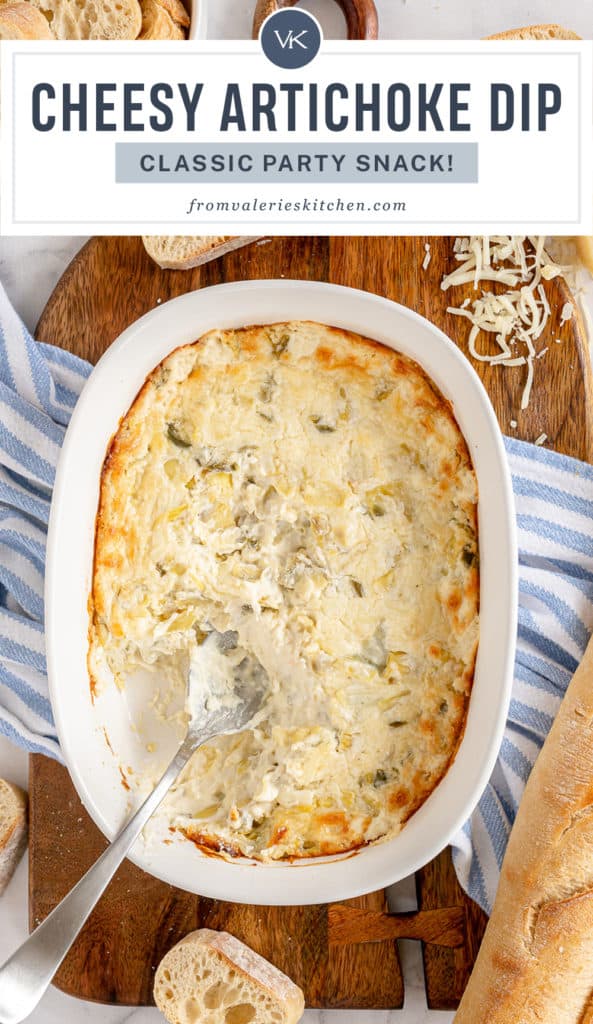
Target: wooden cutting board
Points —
{"points": [[325, 949]]}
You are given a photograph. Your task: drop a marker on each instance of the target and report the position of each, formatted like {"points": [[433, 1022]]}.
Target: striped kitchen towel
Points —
{"points": [[554, 505], [39, 386]]}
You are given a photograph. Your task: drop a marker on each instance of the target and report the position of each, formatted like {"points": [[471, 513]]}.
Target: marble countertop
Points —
{"points": [[29, 269]]}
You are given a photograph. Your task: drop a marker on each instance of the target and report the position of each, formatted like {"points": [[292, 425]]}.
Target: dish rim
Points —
{"points": [[198, 25], [268, 886]]}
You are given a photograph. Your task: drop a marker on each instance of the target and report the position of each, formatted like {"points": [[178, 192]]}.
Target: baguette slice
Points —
{"points": [[176, 11], [585, 251], [535, 965], [157, 23], [23, 21], [182, 252], [92, 19], [212, 978], [537, 32], [13, 830]]}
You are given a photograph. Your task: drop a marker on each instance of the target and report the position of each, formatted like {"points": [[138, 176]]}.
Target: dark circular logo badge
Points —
{"points": [[290, 38]]}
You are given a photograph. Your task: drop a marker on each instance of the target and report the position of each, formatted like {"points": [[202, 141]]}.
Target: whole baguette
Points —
{"points": [[535, 965], [20, 20], [183, 252], [537, 32]]}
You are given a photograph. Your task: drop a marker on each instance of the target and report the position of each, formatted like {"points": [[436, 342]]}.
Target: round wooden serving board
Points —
{"points": [[109, 284], [112, 282]]}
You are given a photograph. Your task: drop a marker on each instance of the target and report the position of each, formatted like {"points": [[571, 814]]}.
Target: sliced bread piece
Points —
{"points": [[176, 11], [585, 251], [92, 19], [13, 830], [212, 978], [23, 21], [537, 32], [157, 23], [182, 252]]}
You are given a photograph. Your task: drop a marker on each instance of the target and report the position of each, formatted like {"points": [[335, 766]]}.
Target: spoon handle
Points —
{"points": [[27, 973]]}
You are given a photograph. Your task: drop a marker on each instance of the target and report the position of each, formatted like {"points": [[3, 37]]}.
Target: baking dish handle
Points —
{"points": [[360, 15]]}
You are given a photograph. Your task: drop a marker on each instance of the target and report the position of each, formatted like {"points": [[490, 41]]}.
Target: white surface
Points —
{"points": [[82, 725], [421, 19], [30, 268]]}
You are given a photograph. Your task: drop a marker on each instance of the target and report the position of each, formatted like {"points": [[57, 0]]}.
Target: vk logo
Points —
{"points": [[290, 38]]}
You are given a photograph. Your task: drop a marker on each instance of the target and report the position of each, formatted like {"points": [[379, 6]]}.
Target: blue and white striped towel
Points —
{"points": [[39, 386]]}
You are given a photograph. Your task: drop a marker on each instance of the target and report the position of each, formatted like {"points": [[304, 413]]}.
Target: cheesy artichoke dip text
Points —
{"points": [[311, 490]]}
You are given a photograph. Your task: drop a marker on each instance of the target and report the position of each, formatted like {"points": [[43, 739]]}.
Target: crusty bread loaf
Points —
{"points": [[537, 32], [13, 829], [92, 19], [20, 20], [182, 252], [585, 251], [535, 965], [212, 978]]}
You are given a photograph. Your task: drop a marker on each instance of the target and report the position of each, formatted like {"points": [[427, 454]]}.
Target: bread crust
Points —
{"points": [[536, 960], [13, 829], [23, 21], [176, 10], [585, 251], [537, 32], [157, 23], [205, 248]]}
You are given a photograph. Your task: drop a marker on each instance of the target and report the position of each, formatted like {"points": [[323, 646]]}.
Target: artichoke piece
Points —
{"points": [[176, 434]]}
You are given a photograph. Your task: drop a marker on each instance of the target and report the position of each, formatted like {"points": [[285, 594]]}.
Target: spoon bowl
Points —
{"points": [[226, 686]]}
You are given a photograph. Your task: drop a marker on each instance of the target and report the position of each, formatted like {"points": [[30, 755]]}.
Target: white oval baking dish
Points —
{"points": [[81, 724], [198, 27]]}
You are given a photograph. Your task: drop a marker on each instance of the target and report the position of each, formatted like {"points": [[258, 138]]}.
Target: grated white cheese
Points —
{"points": [[515, 319], [427, 257], [528, 385], [540, 440]]}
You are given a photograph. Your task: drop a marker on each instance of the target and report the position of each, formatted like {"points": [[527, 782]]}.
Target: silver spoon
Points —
{"points": [[226, 689]]}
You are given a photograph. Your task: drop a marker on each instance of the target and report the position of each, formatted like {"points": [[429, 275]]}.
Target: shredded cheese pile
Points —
{"points": [[517, 318]]}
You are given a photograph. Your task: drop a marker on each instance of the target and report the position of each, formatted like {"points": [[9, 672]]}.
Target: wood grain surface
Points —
{"points": [[107, 286]]}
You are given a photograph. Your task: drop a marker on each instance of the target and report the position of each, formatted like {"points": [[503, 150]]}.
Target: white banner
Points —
{"points": [[371, 138]]}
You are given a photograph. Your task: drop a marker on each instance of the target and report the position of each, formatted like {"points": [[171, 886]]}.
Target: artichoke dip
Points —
{"points": [[310, 490]]}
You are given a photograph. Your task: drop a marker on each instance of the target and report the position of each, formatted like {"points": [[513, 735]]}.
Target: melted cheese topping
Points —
{"points": [[310, 490]]}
